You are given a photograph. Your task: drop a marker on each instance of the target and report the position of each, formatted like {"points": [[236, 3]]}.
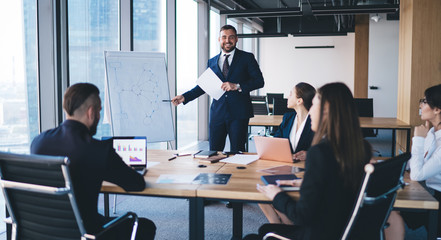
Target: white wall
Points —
{"points": [[283, 66], [383, 66]]}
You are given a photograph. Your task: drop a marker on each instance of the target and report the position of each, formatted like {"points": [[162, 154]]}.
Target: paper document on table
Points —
{"points": [[152, 164], [176, 178], [211, 84], [241, 159]]}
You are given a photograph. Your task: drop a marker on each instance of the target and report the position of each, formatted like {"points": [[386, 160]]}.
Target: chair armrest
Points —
{"points": [[273, 235], [116, 222], [8, 220]]}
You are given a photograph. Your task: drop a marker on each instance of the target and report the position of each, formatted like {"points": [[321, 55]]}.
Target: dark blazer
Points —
{"points": [[233, 104], [92, 161], [325, 204], [285, 129]]}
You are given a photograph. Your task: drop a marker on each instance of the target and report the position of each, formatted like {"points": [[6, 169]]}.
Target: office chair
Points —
{"points": [[40, 199], [376, 198], [280, 106], [365, 108], [258, 98], [270, 97]]}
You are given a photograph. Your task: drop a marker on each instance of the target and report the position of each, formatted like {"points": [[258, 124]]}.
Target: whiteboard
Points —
{"points": [[136, 85]]}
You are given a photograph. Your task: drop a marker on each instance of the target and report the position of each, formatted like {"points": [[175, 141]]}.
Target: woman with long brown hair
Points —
{"points": [[334, 170]]}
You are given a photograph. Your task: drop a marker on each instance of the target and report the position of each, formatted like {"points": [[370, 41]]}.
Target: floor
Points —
{"points": [[171, 215]]}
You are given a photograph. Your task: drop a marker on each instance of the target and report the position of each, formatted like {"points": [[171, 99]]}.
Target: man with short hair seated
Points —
{"points": [[91, 161]]}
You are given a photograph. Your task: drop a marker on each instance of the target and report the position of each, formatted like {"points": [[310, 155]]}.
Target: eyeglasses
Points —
{"points": [[423, 100]]}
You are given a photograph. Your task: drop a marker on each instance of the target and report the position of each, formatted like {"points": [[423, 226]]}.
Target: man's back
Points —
{"points": [[92, 161]]}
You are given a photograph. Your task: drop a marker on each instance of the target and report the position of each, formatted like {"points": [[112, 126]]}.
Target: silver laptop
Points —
{"points": [[276, 149]]}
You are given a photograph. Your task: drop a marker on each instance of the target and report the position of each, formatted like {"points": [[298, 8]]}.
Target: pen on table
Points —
{"points": [[172, 158], [167, 100]]}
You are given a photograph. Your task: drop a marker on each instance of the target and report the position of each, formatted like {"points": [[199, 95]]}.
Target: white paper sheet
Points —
{"points": [[176, 178], [151, 164], [241, 159], [211, 84]]}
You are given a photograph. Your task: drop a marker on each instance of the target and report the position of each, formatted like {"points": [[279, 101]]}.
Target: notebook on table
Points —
{"points": [[132, 150], [276, 149]]}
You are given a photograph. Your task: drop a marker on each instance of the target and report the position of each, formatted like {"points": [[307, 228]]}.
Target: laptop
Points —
{"points": [[133, 151], [275, 149]]}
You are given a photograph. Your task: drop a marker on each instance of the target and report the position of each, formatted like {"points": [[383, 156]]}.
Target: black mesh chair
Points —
{"points": [[260, 106], [280, 106], [376, 198], [270, 97], [365, 108], [40, 199]]}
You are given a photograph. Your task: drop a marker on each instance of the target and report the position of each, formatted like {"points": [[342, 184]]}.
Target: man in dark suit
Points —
{"points": [[231, 113], [92, 161]]}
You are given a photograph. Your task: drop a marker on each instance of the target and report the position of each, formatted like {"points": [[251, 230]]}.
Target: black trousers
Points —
{"points": [[146, 230], [237, 131], [415, 220]]}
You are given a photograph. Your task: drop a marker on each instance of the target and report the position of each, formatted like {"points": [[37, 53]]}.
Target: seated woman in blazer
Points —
{"points": [[333, 171], [296, 126]]}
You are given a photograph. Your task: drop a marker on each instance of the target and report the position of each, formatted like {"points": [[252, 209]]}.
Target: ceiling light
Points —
{"points": [[376, 18]]}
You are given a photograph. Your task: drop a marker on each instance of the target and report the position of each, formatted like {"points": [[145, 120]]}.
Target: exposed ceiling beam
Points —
{"points": [[267, 12], [316, 11]]}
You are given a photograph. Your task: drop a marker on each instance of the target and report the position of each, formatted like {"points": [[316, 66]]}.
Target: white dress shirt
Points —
{"points": [[222, 58], [425, 163], [294, 135]]}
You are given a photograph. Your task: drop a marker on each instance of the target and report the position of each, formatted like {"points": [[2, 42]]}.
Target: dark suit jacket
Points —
{"points": [[233, 104], [92, 161], [325, 204], [285, 129]]}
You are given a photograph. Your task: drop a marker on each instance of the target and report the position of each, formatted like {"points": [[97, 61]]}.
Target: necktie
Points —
{"points": [[226, 66]]}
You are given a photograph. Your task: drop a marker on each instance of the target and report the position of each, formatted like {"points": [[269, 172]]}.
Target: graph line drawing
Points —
{"points": [[137, 83]]}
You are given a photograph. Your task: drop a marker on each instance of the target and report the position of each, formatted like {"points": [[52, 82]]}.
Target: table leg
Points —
{"points": [[394, 141], [433, 223], [237, 220], [408, 141], [196, 216], [106, 205]]}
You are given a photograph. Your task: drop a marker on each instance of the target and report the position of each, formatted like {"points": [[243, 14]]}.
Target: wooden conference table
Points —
{"points": [[365, 122], [240, 189]]}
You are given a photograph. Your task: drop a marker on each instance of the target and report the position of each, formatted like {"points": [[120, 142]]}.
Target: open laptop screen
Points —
{"points": [[131, 149]]}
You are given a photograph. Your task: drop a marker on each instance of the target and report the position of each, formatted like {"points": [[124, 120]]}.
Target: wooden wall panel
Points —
{"points": [[361, 62], [419, 64]]}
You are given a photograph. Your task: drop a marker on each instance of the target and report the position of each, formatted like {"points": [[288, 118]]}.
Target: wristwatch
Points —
{"points": [[238, 87]]}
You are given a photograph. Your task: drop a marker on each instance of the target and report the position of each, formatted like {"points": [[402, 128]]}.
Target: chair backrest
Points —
{"points": [[270, 97], [364, 106], [39, 197], [376, 198], [260, 108], [258, 98], [279, 106]]}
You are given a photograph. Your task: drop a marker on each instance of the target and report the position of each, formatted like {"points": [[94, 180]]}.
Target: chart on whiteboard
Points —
{"points": [[137, 84]]}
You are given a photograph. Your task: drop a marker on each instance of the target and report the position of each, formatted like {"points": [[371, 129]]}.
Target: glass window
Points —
{"points": [[149, 33], [18, 76], [92, 30], [149, 30], [247, 43], [232, 23], [186, 56], [214, 33]]}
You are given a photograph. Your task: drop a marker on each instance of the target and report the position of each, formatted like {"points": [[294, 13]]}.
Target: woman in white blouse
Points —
{"points": [[425, 163], [296, 126]]}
